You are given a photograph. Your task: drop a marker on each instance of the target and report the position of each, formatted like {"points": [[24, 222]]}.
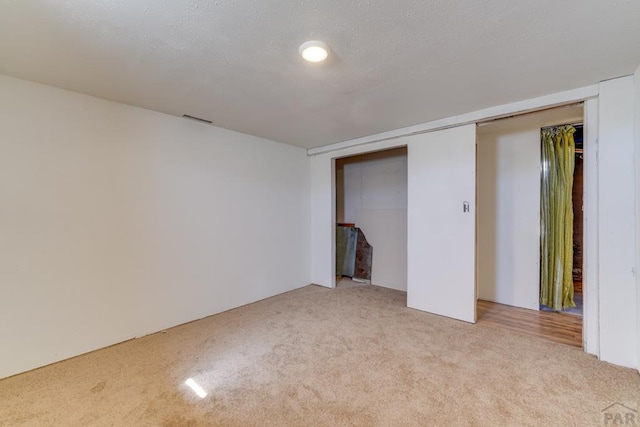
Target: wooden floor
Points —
{"points": [[559, 327]]}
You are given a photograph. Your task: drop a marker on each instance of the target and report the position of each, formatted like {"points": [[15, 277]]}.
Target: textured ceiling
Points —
{"points": [[394, 63]]}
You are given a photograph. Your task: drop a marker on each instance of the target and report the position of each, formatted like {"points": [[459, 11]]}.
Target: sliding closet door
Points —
{"points": [[441, 222]]}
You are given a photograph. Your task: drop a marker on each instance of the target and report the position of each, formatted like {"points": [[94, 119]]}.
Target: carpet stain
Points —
{"points": [[98, 387]]}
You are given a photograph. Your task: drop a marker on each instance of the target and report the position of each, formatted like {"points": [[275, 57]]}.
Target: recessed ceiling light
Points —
{"points": [[314, 51]]}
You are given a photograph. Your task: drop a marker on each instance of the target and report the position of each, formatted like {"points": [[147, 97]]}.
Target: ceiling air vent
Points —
{"points": [[197, 118]]}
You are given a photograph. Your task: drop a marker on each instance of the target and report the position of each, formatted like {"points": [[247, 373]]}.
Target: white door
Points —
{"points": [[441, 222]]}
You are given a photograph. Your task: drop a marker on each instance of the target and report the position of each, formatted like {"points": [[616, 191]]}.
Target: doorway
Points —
{"points": [[371, 205], [508, 223]]}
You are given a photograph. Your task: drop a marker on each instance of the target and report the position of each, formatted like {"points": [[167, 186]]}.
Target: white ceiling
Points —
{"points": [[394, 63]]}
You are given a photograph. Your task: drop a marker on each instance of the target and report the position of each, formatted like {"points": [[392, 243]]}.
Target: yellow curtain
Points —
{"points": [[556, 208]]}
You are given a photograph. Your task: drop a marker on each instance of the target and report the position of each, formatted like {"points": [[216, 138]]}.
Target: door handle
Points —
{"points": [[465, 207]]}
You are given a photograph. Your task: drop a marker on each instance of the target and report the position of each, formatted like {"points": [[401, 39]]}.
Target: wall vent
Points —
{"points": [[196, 118]]}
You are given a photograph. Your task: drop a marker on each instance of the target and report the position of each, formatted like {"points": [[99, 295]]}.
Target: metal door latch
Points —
{"points": [[465, 206]]}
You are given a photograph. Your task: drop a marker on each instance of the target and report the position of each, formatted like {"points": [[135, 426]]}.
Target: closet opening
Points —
{"points": [[371, 219], [512, 222]]}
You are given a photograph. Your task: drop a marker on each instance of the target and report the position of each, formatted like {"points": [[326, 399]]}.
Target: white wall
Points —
{"points": [[508, 194], [323, 223], [617, 222], [637, 170], [591, 256], [375, 199], [116, 222]]}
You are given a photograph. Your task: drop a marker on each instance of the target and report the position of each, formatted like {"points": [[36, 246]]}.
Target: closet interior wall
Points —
{"points": [[371, 192]]}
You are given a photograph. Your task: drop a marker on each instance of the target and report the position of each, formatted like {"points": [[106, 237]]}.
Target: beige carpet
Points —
{"points": [[350, 356]]}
